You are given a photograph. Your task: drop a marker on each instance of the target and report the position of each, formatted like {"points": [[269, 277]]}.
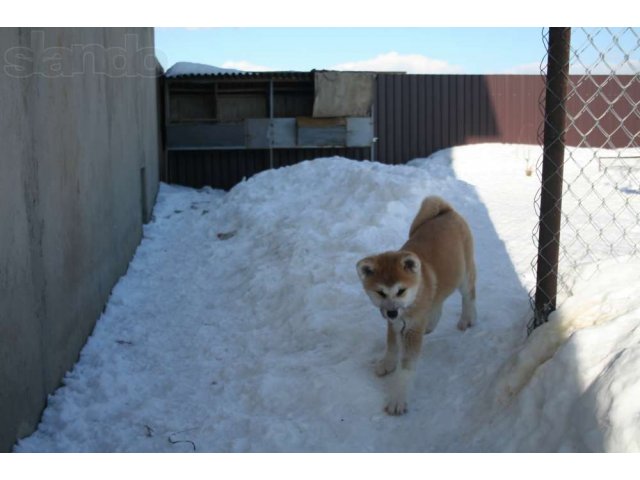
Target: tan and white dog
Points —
{"points": [[410, 285]]}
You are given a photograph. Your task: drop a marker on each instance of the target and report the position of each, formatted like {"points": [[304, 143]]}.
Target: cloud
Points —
{"points": [[246, 66], [396, 62]]}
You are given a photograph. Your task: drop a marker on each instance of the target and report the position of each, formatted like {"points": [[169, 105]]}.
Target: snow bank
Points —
{"points": [[241, 326], [575, 383], [612, 294]]}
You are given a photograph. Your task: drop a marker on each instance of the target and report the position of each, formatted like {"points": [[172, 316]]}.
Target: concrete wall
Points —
{"points": [[78, 123]]}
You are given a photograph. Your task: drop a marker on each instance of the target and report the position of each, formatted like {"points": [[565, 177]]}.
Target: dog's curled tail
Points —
{"points": [[431, 207]]}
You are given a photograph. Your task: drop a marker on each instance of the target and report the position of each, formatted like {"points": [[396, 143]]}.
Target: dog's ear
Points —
{"points": [[411, 263], [365, 267]]}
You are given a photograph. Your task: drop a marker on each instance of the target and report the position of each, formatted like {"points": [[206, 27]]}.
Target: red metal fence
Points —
{"points": [[417, 115]]}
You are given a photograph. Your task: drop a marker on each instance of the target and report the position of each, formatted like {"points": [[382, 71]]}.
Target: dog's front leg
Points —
{"points": [[403, 377], [388, 363]]}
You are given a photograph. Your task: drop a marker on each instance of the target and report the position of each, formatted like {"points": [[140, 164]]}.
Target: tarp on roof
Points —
{"points": [[343, 94]]}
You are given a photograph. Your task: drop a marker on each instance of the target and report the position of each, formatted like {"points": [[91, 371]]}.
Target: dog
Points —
{"points": [[410, 285]]}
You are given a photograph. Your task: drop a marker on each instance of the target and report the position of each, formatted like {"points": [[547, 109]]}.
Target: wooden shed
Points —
{"points": [[224, 125]]}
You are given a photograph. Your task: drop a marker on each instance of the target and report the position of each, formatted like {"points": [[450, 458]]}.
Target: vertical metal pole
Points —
{"points": [[165, 125], [374, 139], [271, 123], [552, 170]]}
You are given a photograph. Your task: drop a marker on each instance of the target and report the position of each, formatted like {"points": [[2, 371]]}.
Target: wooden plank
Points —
{"points": [[335, 136], [203, 135], [310, 122]]}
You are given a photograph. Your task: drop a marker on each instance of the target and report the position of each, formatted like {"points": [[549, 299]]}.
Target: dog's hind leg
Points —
{"points": [[468, 291]]}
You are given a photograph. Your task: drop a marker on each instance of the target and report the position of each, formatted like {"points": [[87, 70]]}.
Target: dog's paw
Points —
{"points": [[465, 323], [396, 407], [385, 367]]}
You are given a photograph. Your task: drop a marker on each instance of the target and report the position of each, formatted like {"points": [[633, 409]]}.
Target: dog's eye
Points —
{"points": [[382, 294], [401, 291]]}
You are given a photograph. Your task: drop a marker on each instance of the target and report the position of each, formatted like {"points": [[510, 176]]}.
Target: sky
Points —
{"points": [[478, 50]]}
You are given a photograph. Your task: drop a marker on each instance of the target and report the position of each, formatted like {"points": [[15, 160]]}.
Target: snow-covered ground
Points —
{"points": [[241, 325]]}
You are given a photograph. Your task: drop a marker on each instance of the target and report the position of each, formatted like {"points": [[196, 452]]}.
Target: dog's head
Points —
{"points": [[392, 281]]}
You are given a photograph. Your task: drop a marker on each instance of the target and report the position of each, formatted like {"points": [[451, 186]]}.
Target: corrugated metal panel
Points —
{"points": [[288, 75], [420, 114], [287, 157], [417, 115], [216, 168], [225, 168]]}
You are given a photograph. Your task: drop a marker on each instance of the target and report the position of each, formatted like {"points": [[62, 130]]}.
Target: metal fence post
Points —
{"points": [[552, 171]]}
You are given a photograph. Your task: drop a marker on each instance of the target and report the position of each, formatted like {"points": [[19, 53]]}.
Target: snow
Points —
{"points": [[241, 325], [589, 390], [190, 68]]}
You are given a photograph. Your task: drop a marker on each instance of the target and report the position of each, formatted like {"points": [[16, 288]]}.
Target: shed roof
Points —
{"points": [[199, 70]]}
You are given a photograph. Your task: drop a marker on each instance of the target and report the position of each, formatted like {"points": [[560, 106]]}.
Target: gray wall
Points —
{"points": [[78, 123]]}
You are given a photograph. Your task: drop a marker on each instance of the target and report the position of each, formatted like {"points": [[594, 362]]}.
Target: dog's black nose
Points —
{"points": [[392, 313]]}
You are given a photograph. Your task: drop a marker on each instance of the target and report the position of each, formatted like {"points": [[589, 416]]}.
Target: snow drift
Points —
{"points": [[241, 326]]}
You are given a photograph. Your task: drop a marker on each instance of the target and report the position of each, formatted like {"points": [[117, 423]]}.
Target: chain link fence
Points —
{"points": [[589, 201]]}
